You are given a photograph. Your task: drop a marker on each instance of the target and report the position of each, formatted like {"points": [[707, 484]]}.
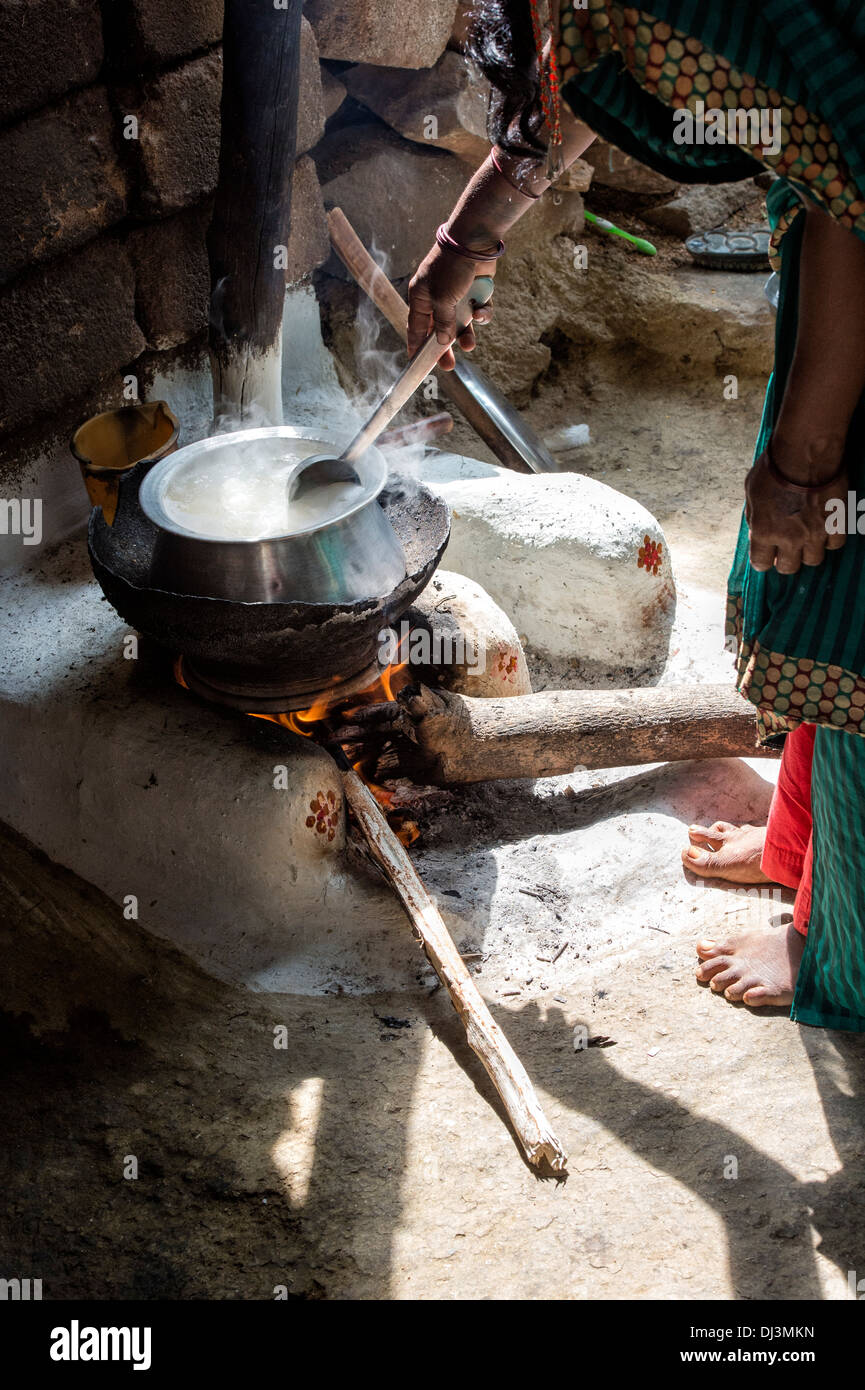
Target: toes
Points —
{"points": [[723, 978], [697, 833], [708, 969], [700, 862], [721, 827], [762, 996], [703, 839], [707, 948], [739, 988]]}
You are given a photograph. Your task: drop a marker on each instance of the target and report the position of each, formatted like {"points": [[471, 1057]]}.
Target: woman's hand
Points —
{"points": [[442, 279], [788, 528], [491, 203], [825, 382]]}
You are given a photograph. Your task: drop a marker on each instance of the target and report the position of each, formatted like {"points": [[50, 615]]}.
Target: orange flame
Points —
{"points": [[390, 675], [307, 722], [302, 721]]}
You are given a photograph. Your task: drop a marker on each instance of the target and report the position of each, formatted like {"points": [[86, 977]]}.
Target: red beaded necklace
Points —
{"points": [[548, 68]]}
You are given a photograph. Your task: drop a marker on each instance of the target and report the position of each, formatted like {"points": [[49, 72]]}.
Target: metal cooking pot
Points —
{"points": [[269, 648], [351, 555]]}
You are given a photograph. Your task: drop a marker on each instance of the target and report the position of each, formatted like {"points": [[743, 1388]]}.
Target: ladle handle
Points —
{"points": [[417, 371]]}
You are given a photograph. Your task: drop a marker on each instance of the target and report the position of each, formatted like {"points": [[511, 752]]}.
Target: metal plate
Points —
{"points": [[720, 249]]}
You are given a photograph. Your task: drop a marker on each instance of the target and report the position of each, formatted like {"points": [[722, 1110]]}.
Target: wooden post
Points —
{"points": [[261, 51]]}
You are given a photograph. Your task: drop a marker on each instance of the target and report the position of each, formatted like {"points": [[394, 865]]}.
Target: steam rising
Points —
{"points": [[243, 494]]}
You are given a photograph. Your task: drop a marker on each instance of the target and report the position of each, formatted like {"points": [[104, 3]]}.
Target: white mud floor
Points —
{"points": [[715, 1152]]}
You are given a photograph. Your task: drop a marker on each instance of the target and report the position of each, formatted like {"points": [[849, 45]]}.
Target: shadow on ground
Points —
{"points": [[320, 1166]]}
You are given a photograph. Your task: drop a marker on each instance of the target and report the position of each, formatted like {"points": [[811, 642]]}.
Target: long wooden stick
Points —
{"points": [[484, 1035], [459, 738]]}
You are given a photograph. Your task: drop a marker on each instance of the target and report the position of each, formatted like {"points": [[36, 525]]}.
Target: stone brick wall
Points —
{"points": [[109, 143], [89, 213]]}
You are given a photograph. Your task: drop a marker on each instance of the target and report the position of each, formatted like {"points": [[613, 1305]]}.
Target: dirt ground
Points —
{"points": [[715, 1152]]}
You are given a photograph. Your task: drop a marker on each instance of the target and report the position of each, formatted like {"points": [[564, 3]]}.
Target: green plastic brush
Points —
{"points": [[612, 230]]}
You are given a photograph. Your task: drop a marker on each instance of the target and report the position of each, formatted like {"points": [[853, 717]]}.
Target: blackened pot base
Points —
{"points": [[235, 688]]}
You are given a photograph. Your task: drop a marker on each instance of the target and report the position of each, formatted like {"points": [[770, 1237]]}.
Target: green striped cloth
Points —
{"points": [[809, 54], [830, 990], [802, 637]]}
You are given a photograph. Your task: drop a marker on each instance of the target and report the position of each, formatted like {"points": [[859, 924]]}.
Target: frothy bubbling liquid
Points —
{"points": [[241, 493]]}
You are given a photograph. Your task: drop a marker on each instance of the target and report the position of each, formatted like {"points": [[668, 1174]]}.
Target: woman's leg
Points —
{"points": [[830, 992], [755, 854], [760, 966], [788, 830]]}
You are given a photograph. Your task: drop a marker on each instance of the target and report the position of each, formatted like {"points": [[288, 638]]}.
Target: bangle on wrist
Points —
{"points": [[494, 157], [778, 476], [449, 243]]}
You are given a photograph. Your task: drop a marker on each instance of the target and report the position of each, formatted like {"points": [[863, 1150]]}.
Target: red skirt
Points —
{"points": [[787, 854]]}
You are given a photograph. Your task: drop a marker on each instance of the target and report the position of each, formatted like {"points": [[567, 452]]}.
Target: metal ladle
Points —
{"points": [[321, 469]]}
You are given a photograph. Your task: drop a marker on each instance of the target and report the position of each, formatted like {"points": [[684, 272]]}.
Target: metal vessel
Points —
{"points": [[348, 557]]}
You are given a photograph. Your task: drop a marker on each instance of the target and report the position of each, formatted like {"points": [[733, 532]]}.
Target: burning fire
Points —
{"points": [[328, 710], [328, 713]]}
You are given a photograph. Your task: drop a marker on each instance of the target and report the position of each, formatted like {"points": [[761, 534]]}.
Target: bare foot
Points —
{"points": [[759, 967], [726, 851]]}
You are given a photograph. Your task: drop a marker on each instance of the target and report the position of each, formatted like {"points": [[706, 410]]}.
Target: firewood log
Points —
{"points": [[461, 739]]}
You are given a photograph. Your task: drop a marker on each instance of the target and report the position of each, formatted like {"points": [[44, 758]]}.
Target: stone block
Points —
{"points": [[172, 277], [333, 90], [178, 134], [308, 241], [310, 101], [565, 557], [577, 178], [475, 647], [393, 192], [62, 183], [412, 34], [47, 47], [615, 169], [700, 207], [63, 327], [445, 105], [514, 347], [151, 33]]}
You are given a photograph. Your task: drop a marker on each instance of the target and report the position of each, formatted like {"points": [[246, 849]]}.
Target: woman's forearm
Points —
{"points": [[490, 205], [492, 201], [827, 376]]}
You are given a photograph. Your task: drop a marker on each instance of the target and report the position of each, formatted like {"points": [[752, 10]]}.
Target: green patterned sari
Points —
{"points": [[799, 639]]}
